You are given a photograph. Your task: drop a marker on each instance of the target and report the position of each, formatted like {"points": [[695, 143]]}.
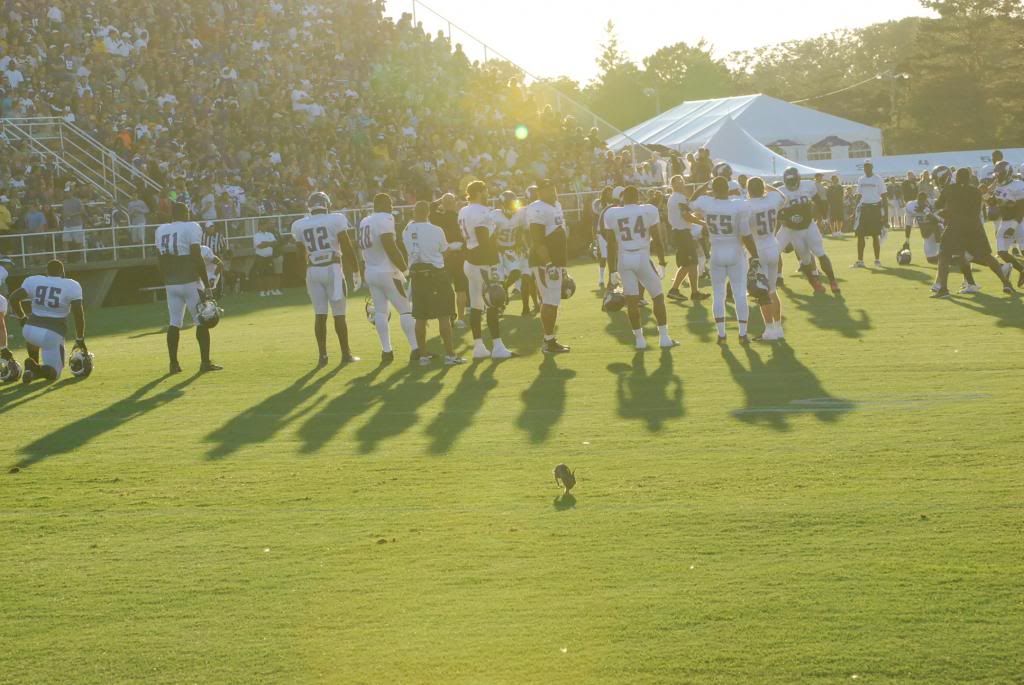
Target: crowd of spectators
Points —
{"points": [[242, 107]]}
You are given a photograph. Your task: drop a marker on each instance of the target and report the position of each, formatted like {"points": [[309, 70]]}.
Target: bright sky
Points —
{"points": [[556, 37]]}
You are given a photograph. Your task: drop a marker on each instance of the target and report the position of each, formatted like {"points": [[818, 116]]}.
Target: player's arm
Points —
{"points": [[487, 245], [540, 247], [17, 300], [390, 245], [196, 252], [611, 237], [658, 242], [218, 265], [750, 244], [78, 314]]}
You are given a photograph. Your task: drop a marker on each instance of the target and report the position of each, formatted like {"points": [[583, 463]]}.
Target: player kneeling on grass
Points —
{"points": [[52, 297], [325, 240], [921, 214], [762, 218], [183, 268], [726, 223], [385, 274], [433, 296], [628, 230], [478, 226]]}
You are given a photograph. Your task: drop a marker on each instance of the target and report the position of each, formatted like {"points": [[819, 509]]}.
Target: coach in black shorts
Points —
{"points": [[445, 214], [964, 238], [432, 294]]}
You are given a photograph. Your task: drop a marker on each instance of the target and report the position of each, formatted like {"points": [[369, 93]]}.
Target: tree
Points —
{"points": [[612, 58], [683, 72]]}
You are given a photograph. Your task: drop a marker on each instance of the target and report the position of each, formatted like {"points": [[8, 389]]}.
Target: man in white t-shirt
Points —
{"points": [[268, 266], [433, 296], [685, 238], [872, 214], [385, 268]]}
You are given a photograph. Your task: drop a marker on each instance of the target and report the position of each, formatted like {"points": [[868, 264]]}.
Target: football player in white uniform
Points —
{"points": [[799, 228], [477, 225], [325, 241], [597, 208], [548, 258], [686, 241], [629, 230], [527, 286], [179, 244], [385, 268], [509, 238], [725, 218], [53, 297], [5, 354], [762, 214], [1006, 208], [921, 215]]}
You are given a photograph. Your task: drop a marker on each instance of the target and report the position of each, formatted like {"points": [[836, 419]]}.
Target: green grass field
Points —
{"points": [[844, 507]]}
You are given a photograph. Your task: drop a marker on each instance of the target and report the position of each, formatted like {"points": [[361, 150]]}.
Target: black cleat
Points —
{"points": [[1008, 289], [723, 340], [554, 347], [698, 296], [940, 294], [349, 358], [387, 357], [674, 294], [174, 368], [744, 340], [210, 366]]}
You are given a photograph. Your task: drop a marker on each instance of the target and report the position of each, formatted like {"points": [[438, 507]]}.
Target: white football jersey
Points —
{"points": [[370, 231], [762, 215], [472, 217], [318, 234], [174, 241], [726, 219], [803, 195], [506, 229], [1010, 192], [51, 295], [632, 225], [542, 213], [3, 305]]}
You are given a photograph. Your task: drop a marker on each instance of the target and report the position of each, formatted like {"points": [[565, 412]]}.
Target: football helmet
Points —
{"points": [[568, 286], [757, 284], [942, 175], [10, 370], [797, 217], [903, 256], [208, 314], [81, 362], [791, 177], [1004, 172], [371, 312], [318, 200], [495, 296], [614, 301], [508, 198], [722, 169]]}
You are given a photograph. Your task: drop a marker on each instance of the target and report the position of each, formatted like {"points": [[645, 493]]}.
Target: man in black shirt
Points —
{"points": [[445, 215], [964, 239]]}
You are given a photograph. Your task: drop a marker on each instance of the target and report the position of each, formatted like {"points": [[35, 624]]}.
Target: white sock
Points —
{"points": [[409, 328], [663, 330], [497, 344], [743, 328], [380, 320], [478, 342], [601, 269], [721, 328]]}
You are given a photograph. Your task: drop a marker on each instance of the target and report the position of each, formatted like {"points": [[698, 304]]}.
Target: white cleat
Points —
{"points": [[1007, 269], [502, 353], [453, 360], [969, 289], [878, 264], [669, 343], [936, 287], [641, 345], [481, 352], [857, 265]]}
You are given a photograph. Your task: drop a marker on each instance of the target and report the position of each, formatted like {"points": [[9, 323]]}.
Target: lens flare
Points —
{"points": [[522, 132]]}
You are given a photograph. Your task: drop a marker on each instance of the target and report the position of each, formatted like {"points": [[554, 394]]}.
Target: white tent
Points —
{"points": [[769, 121], [732, 144], [899, 165]]}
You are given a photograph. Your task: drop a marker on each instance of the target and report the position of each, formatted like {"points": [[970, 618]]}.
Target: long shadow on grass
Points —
{"points": [[397, 410], [544, 400], [461, 405], [261, 422], [652, 398], [907, 273], [360, 396], [698, 321], [780, 388], [1008, 312], [80, 432], [831, 314]]}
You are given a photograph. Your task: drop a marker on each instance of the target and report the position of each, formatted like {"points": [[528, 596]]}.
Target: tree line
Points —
{"points": [[944, 83]]}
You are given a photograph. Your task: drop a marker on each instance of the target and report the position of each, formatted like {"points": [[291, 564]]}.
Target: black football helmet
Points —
{"points": [[208, 314], [614, 301], [903, 256], [495, 296], [791, 177], [81, 362], [10, 370], [568, 286], [757, 284], [722, 169]]}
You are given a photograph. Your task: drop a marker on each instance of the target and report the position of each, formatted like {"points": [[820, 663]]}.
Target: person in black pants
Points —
{"points": [[965, 239], [444, 213]]}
